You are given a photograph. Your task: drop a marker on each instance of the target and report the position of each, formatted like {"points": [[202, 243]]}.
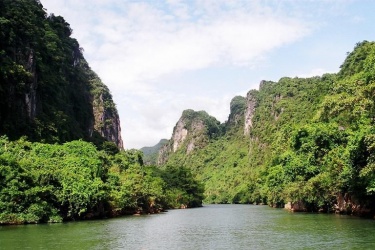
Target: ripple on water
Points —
{"points": [[210, 227]]}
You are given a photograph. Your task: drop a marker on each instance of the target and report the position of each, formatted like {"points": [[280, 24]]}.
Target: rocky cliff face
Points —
{"points": [[193, 130], [190, 127], [250, 109], [308, 143], [106, 119], [179, 134], [48, 92]]}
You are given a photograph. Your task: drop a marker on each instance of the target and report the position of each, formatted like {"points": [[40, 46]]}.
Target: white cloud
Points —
{"points": [[134, 45], [144, 44]]}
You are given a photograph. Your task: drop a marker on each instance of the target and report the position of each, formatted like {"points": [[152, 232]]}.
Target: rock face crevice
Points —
{"points": [[251, 103]]}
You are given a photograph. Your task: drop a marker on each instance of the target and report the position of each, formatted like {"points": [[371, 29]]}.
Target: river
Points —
{"points": [[209, 227]]}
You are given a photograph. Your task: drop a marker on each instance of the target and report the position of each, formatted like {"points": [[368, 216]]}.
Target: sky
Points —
{"points": [[159, 58]]}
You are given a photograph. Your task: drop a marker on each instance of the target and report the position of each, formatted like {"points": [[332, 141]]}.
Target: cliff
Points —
{"points": [[250, 109], [304, 142], [48, 91], [192, 131]]}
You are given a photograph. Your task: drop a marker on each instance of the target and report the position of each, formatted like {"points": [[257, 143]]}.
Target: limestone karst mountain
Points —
{"points": [[48, 91], [302, 142]]}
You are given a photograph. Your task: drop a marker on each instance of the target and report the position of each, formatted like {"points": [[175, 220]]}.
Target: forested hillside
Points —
{"points": [[150, 154], [48, 91], [50, 98], [307, 143]]}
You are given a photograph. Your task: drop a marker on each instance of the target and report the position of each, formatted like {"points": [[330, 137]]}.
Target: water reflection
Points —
{"points": [[210, 227]]}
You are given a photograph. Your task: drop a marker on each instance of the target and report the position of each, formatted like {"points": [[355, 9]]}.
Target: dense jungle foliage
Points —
{"points": [[311, 142], [53, 183]]}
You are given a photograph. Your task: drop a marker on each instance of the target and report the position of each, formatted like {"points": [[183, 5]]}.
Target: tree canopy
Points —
{"points": [[311, 143]]}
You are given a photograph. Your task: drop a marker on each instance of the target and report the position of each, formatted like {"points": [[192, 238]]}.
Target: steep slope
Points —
{"points": [[327, 163], [150, 154], [192, 132], [258, 126], [219, 161], [48, 92], [307, 144]]}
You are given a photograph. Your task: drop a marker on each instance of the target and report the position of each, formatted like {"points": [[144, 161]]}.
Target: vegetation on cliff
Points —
{"points": [[48, 91], [150, 154], [193, 130], [61, 154], [304, 141]]}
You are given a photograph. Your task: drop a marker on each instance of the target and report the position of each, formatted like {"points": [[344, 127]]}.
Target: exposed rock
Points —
{"points": [[348, 204], [179, 134], [193, 130], [345, 204], [249, 113], [163, 154], [49, 93], [192, 125], [190, 147], [298, 206], [107, 121]]}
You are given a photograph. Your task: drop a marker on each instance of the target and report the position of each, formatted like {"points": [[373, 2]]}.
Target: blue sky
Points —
{"points": [[159, 58]]}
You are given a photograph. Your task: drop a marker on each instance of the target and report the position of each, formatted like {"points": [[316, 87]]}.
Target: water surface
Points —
{"points": [[210, 227]]}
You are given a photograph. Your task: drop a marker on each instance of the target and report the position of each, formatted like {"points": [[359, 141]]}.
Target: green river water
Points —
{"points": [[210, 227]]}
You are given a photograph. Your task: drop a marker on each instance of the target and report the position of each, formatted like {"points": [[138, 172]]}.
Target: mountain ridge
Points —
{"points": [[302, 143]]}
